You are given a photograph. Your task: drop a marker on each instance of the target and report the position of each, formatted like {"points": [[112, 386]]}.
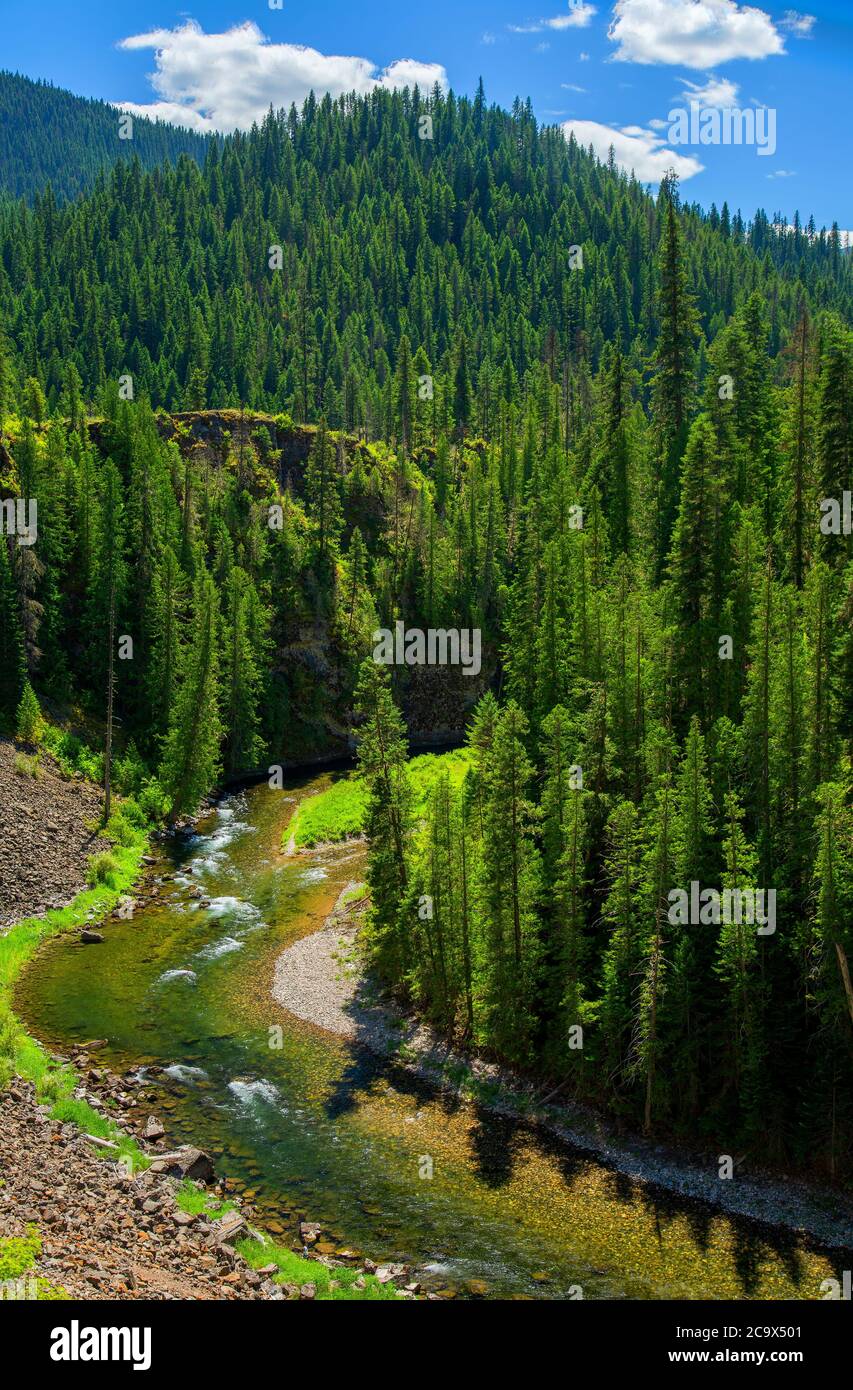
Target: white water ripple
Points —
{"points": [[249, 1091], [181, 1071], [223, 947]]}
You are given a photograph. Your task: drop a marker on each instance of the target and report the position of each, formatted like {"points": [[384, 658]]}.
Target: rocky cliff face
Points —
{"points": [[436, 702], [213, 433], [310, 677]]}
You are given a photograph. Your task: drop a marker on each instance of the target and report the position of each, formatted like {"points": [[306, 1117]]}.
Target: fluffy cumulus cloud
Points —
{"points": [[227, 81], [691, 33], [634, 147]]}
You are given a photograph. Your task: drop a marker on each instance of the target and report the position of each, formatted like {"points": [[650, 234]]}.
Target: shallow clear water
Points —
{"points": [[319, 1129]]}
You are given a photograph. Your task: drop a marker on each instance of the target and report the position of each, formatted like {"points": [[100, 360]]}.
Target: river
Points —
{"points": [[317, 1129]]}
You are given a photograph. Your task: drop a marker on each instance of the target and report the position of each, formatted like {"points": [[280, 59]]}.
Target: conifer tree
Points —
{"points": [[13, 665], [323, 496], [191, 763], [738, 966], [240, 678], [28, 720], [167, 594], [649, 1040], [404, 395], [510, 885], [673, 365], [796, 480], [621, 962], [695, 565], [382, 753]]}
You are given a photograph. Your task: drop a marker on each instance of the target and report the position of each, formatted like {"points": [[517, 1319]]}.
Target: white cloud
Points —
{"points": [[715, 91], [403, 72], [633, 148], [846, 237], [572, 87], [692, 33], [172, 112], [579, 17], [783, 174], [800, 25], [227, 81]]}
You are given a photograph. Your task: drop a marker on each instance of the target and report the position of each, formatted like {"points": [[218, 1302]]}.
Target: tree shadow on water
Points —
{"points": [[497, 1143]]}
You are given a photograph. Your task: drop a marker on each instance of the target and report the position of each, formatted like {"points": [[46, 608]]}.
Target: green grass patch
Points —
{"points": [[196, 1202], [21, 1055], [18, 1254], [332, 1285], [333, 814], [340, 810]]}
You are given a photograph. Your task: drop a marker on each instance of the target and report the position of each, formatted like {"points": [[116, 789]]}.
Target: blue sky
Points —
{"points": [[614, 71]]}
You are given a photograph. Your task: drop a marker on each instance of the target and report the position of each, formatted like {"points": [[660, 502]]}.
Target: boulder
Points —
{"points": [[187, 1163]]}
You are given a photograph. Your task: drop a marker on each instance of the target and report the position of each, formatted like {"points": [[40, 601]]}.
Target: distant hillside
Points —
{"points": [[314, 257], [48, 135]]}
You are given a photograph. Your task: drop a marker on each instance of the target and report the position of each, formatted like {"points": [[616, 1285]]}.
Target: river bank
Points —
{"points": [[93, 1203], [465, 1197], [97, 1231], [76, 1222], [46, 834], [319, 980]]}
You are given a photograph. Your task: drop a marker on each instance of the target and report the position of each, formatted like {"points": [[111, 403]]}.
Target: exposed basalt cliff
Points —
{"points": [[215, 433]]}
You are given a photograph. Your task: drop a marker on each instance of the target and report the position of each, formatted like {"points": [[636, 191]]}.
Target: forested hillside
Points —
{"points": [[625, 468], [456, 251], [48, 135]]}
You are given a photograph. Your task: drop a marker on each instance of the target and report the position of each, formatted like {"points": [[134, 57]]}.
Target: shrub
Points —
{"points": [[129, 771], [102, 869], [72, 755], [119, 830], [27, 767], [152, 802]]}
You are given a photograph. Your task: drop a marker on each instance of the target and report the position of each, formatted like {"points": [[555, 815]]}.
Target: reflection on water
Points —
{"points": [[321, 1129]]}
